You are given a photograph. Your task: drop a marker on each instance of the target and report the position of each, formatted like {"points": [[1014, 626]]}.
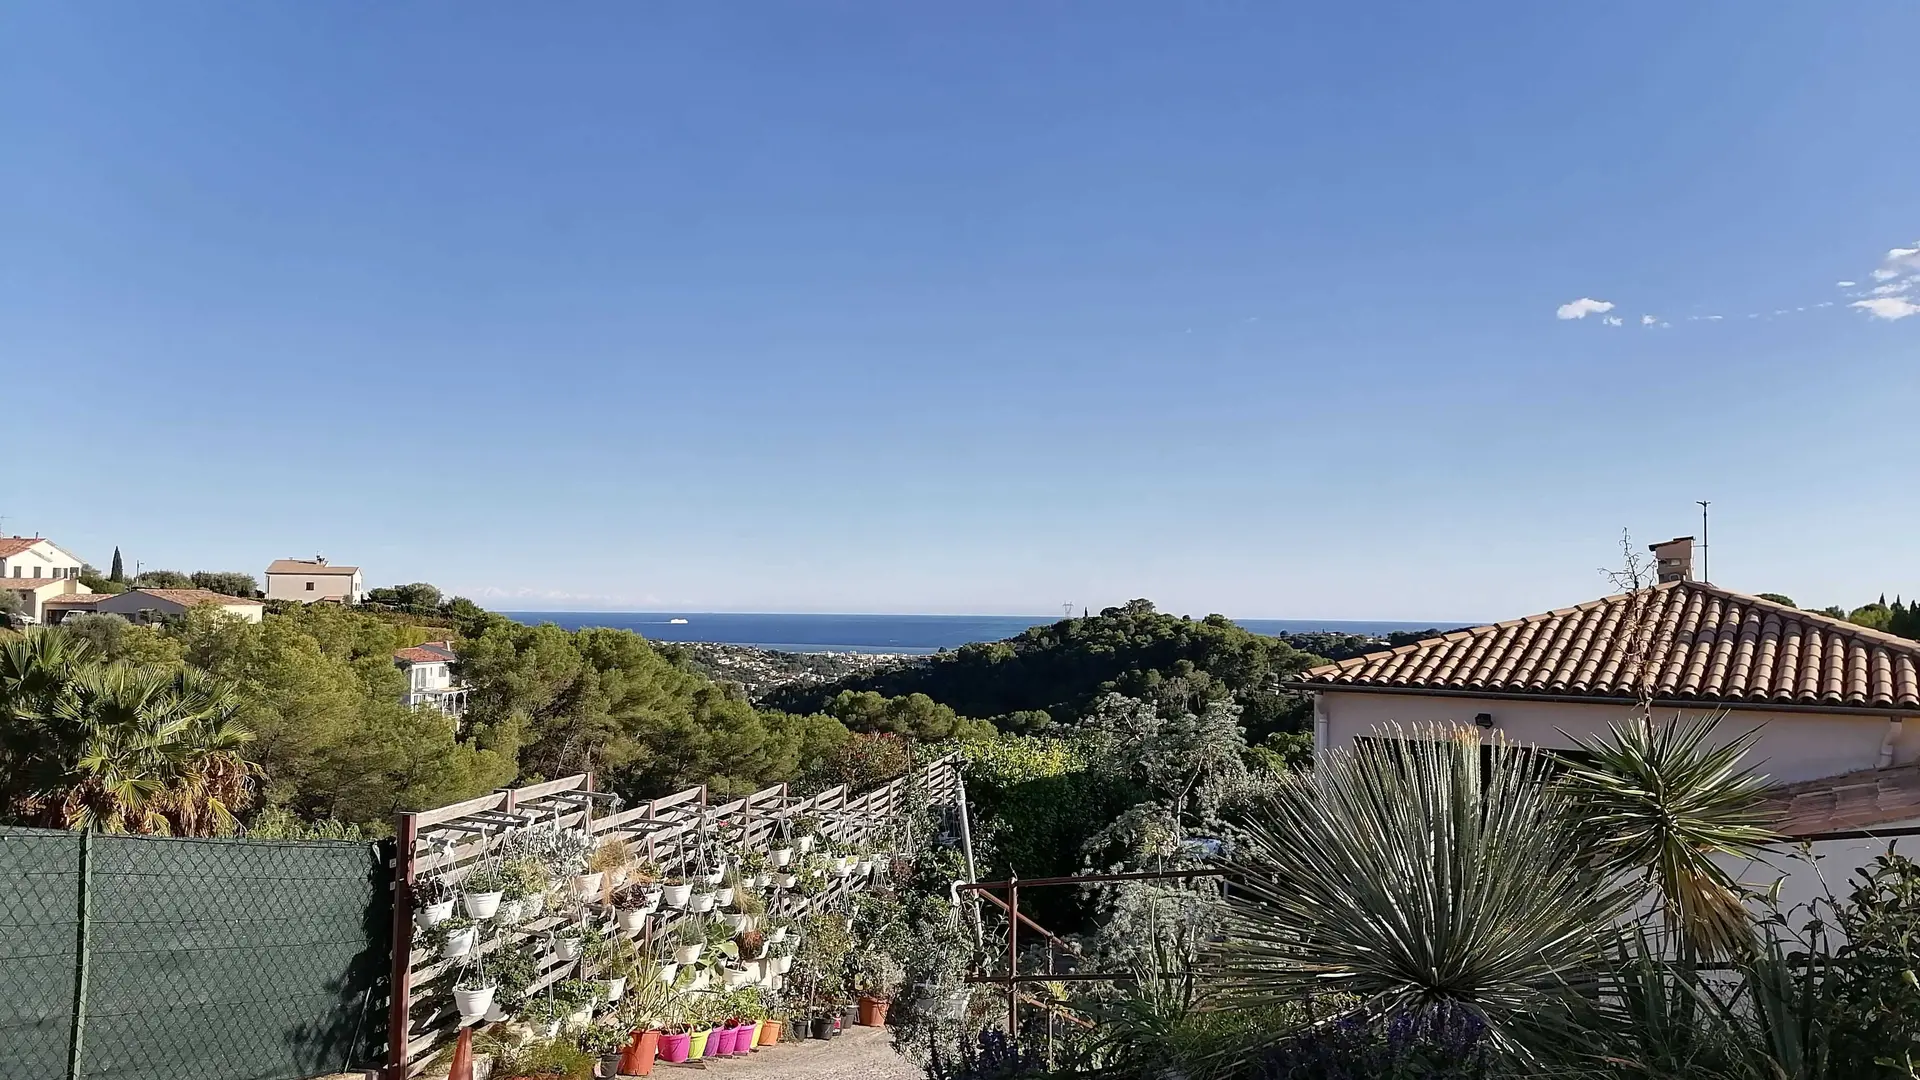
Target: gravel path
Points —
{"points": [[861, 1054]]}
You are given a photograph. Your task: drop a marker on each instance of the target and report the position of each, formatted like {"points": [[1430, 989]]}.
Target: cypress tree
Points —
{"points": [[119, 570]]}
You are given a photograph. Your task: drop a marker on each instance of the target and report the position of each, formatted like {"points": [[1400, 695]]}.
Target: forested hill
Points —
{"points": [[1060, 669]]}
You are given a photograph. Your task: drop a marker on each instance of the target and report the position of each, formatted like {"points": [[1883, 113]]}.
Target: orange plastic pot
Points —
{"points": [[770, 1032], [637, 1058], [873, 1012]]}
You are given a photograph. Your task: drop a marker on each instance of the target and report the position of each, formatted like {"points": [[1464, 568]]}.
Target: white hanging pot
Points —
{"points": [[788, 881], [687, 954], [716, 877], [613, 988], [776, 935], [668, 971], [587, 886], [511, 911], [734, 980], [567, 948], [474, 1003], [650, 901], [675, 896], [618, 876], [782, 964], [700, 902], [844, 869], [781, 856], [735, 923], [805, 844], [633, 920], [495, 1014], [435, 913], [458, 943], [553, 1029], [580, 1018], [723, 897], [863, 867], [700, 982], [481, 905]]}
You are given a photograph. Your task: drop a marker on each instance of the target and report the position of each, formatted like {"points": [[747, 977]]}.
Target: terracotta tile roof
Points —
{"points": [[190, 597], [1852, 801], [75, 600], [433, 652], [307, 566], [14, 545], [1708, 644], [31, 582]]}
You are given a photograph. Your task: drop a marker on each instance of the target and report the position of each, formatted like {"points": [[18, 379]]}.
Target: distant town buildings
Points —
{"points": [[310, 580], [430, 681]]}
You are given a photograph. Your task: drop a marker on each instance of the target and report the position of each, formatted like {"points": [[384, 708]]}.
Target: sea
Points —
{"points": [[907, 634]]}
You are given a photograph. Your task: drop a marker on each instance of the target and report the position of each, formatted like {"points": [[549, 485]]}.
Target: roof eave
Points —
{"points": [[1598, 699]]}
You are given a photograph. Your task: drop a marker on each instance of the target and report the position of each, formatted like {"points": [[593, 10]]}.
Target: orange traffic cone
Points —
{"points": [[462, 1057]]}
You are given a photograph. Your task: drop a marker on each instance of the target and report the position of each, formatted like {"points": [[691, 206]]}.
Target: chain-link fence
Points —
{"points": [[140, 958]]}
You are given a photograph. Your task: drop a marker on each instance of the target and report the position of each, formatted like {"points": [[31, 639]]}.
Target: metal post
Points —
{"points": [[77, 1034], [406, 832], [966, 849], [1013, 958]]}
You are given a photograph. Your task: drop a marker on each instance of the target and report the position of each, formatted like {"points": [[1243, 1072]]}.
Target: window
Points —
{"points": [[309, 586]]}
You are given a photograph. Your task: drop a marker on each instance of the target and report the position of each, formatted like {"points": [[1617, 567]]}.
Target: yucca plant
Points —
{"points": [[1658, 801], [1397, 873]]}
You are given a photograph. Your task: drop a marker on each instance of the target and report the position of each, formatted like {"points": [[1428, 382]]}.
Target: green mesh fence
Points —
{"points": [[139, 958]]}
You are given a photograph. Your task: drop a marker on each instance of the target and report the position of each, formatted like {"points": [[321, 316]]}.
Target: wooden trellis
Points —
{"points": [[451, 841]]}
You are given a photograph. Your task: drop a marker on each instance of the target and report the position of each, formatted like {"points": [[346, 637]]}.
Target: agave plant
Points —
{"points": [[1658, 801], [1401, 875]]}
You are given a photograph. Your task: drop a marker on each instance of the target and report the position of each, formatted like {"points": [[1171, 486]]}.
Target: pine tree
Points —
{"points": [[119, 572]]}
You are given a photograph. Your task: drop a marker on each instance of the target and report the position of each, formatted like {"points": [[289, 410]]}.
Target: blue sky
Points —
{"points": [[965, 308]]}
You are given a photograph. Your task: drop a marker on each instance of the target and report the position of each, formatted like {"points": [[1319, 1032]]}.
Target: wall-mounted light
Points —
{"points": [[1484, 719]]}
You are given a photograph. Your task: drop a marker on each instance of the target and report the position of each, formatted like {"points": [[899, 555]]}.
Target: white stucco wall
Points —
{"points": [[40, 560], [1793, 746], [325, 587]]}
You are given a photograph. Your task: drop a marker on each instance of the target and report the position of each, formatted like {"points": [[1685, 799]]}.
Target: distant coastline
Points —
{"points": [[902, 635]]}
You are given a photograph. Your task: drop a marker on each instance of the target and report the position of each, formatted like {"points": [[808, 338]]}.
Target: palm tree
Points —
{"points": [[36, 672], [154, 751], [1657, 802], [1399, 874]]}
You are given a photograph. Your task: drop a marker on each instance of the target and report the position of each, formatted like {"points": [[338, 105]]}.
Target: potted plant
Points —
{"points": [[542, 1014], [777, 930], [691, 939], [435, 902], [473, 992], [609, 860], [527, 881], [541, 1059], [602, 1044], [804, 829], [481, 891], [576, 999], [675, 891], [701, 902], [773, 1018], [452, 937], [569, 941]]}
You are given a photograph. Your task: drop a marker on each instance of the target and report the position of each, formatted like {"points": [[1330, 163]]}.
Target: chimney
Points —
{"points": [[1674, 559], [322, 559]]}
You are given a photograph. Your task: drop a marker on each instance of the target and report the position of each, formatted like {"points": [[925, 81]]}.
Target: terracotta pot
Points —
{"points": [[675, 1048], [873, 1012], [770, 1032], [636, 1058]]}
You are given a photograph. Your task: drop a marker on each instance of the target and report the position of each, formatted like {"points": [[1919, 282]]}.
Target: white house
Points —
{"points": [[430, 680], [308, 580], [36, 570], [1837, 705], [151, 605]]}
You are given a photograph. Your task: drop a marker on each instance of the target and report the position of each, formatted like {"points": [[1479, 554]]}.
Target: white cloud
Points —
{"points": [[1583, 307], [1846, 284], [1887, 307], [1892, 288], [1824, 303], [1648, 320], [1612, 320], [1898, 261], [1715, 318]]}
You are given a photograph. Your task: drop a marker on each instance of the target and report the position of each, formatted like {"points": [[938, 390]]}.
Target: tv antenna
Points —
{"points": [[1704, 503], [1066, 610]]}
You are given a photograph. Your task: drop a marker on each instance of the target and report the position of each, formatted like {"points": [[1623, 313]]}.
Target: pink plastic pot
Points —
{"points": [[720, 1043], [743, 1042], [674, 1047]]}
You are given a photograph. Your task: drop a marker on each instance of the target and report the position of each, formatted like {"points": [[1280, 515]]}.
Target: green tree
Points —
{"points": [[11, 604], [119, 571], [1784, 601], [1874, 616], [163, 579], [90, 577], [229, 582]]}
